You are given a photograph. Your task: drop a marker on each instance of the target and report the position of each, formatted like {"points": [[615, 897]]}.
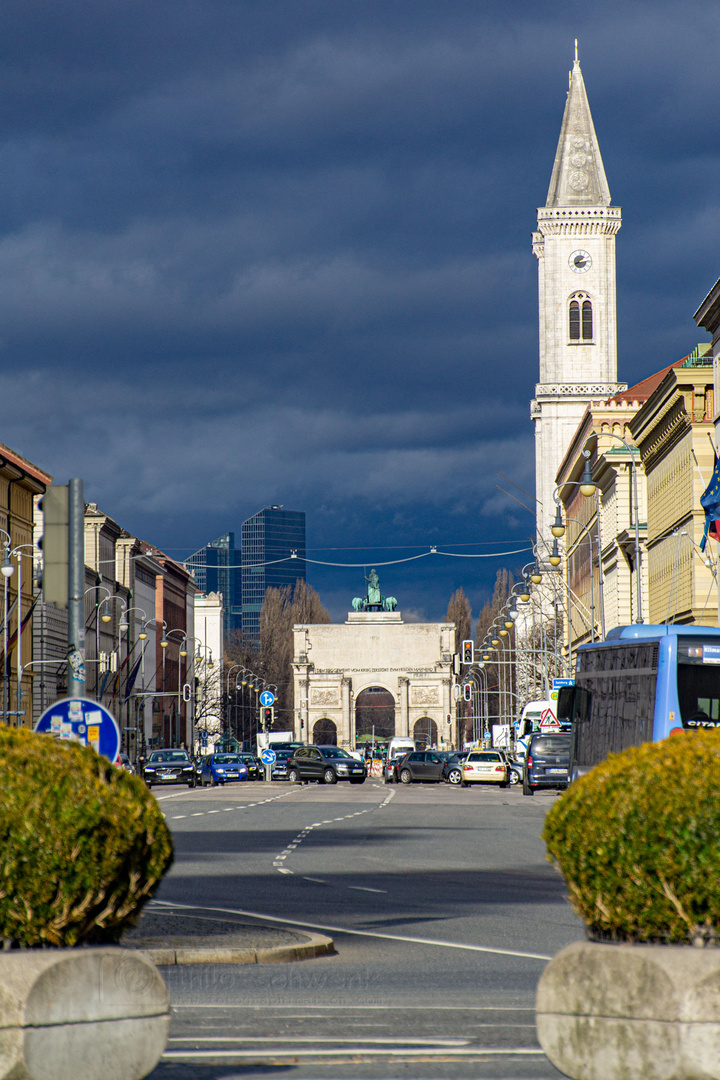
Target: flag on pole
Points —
{"points": [[130, 681], [710, 502]]}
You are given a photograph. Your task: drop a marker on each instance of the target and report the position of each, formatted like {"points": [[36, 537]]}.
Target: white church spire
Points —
{"points": [[578, 176], [575, 248]]}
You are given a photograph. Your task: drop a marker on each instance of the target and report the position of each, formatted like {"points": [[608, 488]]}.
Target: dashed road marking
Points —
{"points": [[228, 809], [279, 859]]}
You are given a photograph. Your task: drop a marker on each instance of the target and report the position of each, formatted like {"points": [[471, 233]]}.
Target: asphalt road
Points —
{"points": [[442, 907]]}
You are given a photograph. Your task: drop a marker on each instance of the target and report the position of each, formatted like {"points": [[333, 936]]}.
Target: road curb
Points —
{"points": [[316, 945]]}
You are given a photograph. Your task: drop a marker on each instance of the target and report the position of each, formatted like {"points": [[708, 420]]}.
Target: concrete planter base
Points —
{"points": [[80, 1014], [631, 1012]]}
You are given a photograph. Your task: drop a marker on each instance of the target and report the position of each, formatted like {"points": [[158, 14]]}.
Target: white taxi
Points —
{"points": [[485, 766]]}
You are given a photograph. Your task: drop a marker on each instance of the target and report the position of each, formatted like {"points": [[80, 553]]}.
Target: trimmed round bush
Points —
{"points": [[83, 845], [638, 842]]}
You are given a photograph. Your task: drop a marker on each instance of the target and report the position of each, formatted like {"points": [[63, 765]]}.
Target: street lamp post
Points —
{"points": [[7, 572]]}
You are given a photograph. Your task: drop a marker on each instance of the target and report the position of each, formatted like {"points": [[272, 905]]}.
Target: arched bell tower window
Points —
{"points": [[580, 319]]}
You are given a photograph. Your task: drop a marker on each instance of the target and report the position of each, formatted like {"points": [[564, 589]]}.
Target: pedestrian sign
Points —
{"points": [[85, 721], [548, 719]]}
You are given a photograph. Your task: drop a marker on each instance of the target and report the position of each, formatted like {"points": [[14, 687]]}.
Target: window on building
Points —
{"points": [[587, 327], [580, 318], [574, 320]]}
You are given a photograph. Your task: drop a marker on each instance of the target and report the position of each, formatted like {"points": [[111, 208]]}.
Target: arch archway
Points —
{"points": [[374, 714], [325, 732], [425, 730]]}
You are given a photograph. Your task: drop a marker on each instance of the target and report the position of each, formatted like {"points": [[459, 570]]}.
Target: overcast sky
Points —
{"points": [[278, 251]]}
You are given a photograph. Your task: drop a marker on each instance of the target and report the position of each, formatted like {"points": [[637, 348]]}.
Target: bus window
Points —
{"points": [[699, 695], [621, 680]]}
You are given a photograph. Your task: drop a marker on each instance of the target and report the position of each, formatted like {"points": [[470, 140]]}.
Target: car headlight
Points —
{"points": [[149, 768], [218, 769]]}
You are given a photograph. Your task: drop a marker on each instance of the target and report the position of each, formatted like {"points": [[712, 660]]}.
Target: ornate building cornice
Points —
{"points": [[579, 390]]}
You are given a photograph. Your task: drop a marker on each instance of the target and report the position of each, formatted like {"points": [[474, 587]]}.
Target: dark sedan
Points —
{"points": [[169, 767], [421, 766], [254, 768], [326, 764]]}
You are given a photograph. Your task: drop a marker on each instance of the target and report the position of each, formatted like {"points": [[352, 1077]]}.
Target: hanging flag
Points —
{"points": [[130, 681], [13, 637], [710, 502]]}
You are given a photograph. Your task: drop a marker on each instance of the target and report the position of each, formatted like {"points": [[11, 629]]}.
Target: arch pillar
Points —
{"points": [[403, 701], [347, 732]]}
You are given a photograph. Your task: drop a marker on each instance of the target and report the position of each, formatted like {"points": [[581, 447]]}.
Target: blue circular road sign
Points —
{"points": [[267, 698], [268, 757], [84, 721]]}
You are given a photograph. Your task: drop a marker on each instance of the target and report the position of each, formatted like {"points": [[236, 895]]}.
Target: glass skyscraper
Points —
{"points": [[272, 534], [216, 568]]}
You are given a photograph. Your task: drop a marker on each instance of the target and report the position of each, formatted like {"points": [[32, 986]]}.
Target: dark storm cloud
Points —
{"points": [[279, 251]]}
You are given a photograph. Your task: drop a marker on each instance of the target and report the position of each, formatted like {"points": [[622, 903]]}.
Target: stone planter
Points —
{"points": [[80, 1014], [631, 1012]]}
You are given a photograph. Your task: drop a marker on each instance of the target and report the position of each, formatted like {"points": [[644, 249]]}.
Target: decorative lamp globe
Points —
{"points": [[557, 528], [587, 484]]}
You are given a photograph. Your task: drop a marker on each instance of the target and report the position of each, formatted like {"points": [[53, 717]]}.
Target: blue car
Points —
{"points": [[222, 769]]}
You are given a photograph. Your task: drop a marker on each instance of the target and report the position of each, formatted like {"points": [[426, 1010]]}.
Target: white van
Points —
{"points": [[399, 746]]}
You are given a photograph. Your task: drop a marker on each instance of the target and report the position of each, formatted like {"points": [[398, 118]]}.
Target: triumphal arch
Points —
{"points": [[373, 676]]}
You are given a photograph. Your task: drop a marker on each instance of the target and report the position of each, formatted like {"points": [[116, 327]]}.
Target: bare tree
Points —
{"points": [[208, 708], [459, 611], [271, 656], [499, 680]]}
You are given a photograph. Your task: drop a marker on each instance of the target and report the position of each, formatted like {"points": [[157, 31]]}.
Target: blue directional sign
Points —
{"points": [[84, 721], [559, 683], [268, 757], [267, 698]]}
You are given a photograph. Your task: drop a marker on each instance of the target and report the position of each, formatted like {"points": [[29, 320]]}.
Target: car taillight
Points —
{"points": [[499, 768], [529, 761]]}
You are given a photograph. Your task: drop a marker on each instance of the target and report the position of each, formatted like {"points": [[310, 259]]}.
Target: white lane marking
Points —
{"points": [[359, 1050], [302, 1010], [365, 888], [355, 933], [316, 825], [240, 806], [318, 880], [411, 1040], [284, 870]]}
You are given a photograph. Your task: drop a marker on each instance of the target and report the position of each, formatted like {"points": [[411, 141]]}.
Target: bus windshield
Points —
{"points": [[698, 693]]}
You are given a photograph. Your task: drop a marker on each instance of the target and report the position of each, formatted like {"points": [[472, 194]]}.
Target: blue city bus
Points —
{"points": [[641, 684]]}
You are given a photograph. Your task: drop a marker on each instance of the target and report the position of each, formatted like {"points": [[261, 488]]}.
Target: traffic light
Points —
{"points": [[467, 691], [456, 663], [54, 545], [467, 652], [267, 717]]}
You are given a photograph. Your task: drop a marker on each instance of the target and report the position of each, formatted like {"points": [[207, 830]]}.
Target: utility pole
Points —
{"points": [[76, 581]]}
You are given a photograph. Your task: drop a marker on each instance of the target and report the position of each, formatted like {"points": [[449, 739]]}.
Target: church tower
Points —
{"points": [[575, 249]]}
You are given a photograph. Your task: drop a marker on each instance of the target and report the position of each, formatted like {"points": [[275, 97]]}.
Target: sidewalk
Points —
{"points": [[167, 938]]}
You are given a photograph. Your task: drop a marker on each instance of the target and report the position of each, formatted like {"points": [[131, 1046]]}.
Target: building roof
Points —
{"points": [[578, 176], [11, 457], [699, 357]]}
